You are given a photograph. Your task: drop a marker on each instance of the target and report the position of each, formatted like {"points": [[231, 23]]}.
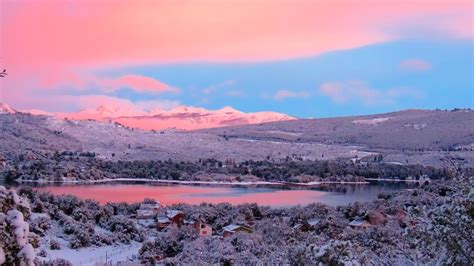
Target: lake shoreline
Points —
{"points": [[190, 182], [213, 183]]}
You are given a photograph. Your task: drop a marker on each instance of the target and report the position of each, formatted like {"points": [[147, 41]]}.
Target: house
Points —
{"points": [[307, 225], [234, 228], [146, 222], [357, 223], [203, 229], [377, 218], [150, 206], [145, 214], [148, 210], [176, 217], [162, 222]]}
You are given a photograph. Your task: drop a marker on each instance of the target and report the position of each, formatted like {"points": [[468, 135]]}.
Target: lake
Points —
{"points": [[333, 195]]}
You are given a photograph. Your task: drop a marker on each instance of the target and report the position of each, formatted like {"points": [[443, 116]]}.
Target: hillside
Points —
{"points": [[410, 130], [22, 133], [407, 137]]}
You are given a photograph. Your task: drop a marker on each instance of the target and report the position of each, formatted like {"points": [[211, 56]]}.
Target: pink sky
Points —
{"points": [[54, 33], [41, 39]]}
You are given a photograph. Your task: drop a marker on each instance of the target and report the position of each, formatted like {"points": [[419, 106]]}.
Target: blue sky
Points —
{"points": [[373, 79]]}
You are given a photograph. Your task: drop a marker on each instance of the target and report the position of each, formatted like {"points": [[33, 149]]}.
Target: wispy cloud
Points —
{"points": [[360, 91], [415, 65], [137, 83], [93, 101], [213, 88], [236, 93], [285, 94]]}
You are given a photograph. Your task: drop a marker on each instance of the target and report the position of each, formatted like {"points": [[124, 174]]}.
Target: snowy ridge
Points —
{"points": [[182, 117], [6, 109]]}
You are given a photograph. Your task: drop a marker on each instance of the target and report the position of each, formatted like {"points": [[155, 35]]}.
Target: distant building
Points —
{"points": [[148, 210], [149, 222], [150, 206], [359, 224], [145, 214], [234, 228], [377, 218], [162, 222], [176, 217], [203, 229], [307, 225]]}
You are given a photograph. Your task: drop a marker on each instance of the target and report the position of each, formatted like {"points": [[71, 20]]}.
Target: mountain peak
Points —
{"points": [[6, 109], [187, 109], [228, 109], [181, 117]]}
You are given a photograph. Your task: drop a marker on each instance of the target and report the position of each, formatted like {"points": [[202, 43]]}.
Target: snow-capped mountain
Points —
{"points": [[181, 117], [6, 109]]}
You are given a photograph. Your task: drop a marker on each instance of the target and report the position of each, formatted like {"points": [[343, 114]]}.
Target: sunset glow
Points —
{"points": [[62, 56]]}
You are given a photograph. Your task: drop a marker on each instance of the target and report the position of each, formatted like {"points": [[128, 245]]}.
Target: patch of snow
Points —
{"points": [[417, 126], [92, 255], [373, 121]]}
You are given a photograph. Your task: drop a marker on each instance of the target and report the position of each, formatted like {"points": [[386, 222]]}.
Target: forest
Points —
{"points": [[86, 166]]}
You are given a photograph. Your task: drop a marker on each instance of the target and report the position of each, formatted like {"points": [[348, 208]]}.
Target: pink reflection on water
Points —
{"points": [[188, 194]]}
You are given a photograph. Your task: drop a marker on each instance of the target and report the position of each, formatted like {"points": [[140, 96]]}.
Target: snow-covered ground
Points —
{"points": [[92, 255], [373, 121], [83, 256]]}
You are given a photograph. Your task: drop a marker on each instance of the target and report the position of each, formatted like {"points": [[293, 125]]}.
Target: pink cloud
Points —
{"points": [[90, 32], [138, 83], [415, 65], [215, 87], [360, 91], [285, 94]]}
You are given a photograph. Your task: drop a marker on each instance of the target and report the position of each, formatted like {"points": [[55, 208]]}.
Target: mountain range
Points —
{"points": [[425, 137], [180, 118]]}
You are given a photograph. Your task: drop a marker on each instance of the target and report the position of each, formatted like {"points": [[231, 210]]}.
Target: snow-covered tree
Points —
{"points": [[15, 247]]}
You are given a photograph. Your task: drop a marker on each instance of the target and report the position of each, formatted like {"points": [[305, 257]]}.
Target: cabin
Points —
{"points": [[307, 225], [150, 223], [145, 214], [203, 229], [377, 218], [176, 217], [162, 222], [148, 210], [359, 224], [234, 228], [151, 206]]}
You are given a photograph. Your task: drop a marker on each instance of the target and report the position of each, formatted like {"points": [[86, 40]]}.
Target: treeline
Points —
{"points": [[85, 166], [272, 171]]}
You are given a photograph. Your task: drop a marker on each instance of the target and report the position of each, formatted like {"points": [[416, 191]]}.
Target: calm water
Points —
{"points": [[334, 195]]}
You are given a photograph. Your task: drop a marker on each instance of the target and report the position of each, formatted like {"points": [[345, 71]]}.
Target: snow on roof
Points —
{"points": [[172, 213], [231, 227], [297, 226], [141, 212], [149, 205], [358, 223], [163, 219]]}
